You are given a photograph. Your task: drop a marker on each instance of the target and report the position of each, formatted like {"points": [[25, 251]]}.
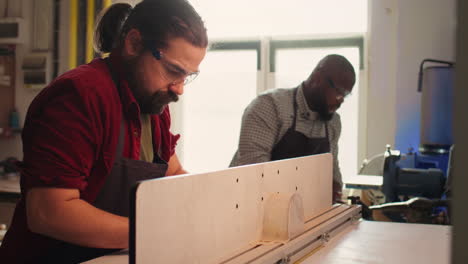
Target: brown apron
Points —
{"points": [[295, 144], [114, 197]]}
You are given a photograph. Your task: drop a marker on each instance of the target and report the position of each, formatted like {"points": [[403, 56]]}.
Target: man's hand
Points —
{"points": [[174, 166]]}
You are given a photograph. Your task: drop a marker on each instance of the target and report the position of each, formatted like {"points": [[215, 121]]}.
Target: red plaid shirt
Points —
{"points": [[69, 141]]}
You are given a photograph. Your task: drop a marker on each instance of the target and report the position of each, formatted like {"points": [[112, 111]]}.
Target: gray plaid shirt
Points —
{"points": [[267, 119]]}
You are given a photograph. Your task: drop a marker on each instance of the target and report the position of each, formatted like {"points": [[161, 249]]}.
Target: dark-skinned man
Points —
{"points": [[300, 121]]}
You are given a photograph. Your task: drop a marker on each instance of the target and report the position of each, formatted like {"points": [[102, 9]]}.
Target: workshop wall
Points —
{"points": [[401, 34], [434, 24], [382, 72], [11, 146]]}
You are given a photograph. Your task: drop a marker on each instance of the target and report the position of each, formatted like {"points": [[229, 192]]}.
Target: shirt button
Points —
{"points": [[135, 132]]}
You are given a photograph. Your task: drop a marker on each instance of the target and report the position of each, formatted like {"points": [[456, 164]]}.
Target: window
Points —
{"points": [[271, 45], [213, 106]]}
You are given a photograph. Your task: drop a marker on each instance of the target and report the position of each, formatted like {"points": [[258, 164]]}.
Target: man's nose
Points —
{"points": [[177, 87]]}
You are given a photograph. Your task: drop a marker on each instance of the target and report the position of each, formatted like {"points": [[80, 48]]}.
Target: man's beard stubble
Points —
{"points": [[153, 104], [320, 106], [156, 103]]}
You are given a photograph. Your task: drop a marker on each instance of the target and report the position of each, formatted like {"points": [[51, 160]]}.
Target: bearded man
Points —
{"points": [[98, 129], [288, 123]]}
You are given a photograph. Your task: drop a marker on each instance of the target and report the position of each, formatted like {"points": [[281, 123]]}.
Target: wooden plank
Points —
{"points": [[387, 243], [364, 182], [327, 225], [362, 242], [307, 241], [205, 218]]}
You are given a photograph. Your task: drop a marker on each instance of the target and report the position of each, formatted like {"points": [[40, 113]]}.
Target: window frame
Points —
{"points": [[267, 47]]}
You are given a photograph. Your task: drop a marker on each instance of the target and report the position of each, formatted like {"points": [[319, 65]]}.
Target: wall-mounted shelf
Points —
{"points": [[7, 85], [11, 30]]}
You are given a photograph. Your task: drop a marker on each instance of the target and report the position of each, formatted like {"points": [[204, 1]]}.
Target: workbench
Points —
{"points": [[273, 212], [368, 242]]}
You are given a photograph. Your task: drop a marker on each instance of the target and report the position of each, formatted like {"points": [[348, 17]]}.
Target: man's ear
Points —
{"points": [[133, 43]]}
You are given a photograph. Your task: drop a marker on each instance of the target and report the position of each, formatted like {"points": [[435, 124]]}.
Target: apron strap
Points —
{"points": [[295, 115], [295, 109], [121, 142], [327, 137], [326, 130], [114, 77]]}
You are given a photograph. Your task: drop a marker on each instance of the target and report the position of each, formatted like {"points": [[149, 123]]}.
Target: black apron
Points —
{"points": [[114, 196], [295, 144]]}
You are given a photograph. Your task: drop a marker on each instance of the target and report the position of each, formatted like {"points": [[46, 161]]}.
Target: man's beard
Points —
{"points": [[320, 106], [156, 103], [153, 104]]}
